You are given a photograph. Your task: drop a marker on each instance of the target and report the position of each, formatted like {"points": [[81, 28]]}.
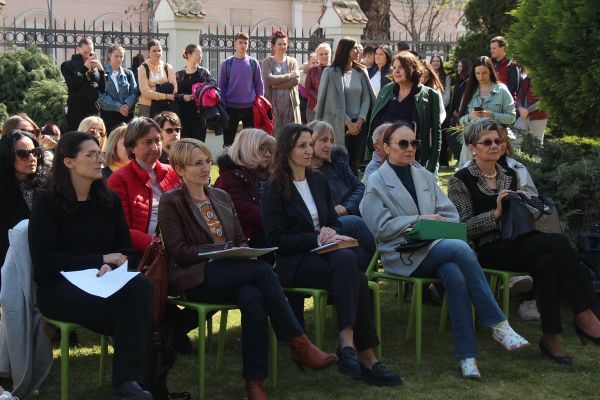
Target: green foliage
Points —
{"points": [[3, 114], [484, 19], [569, 172], [558, 42], [45, 102], [19, 69]]}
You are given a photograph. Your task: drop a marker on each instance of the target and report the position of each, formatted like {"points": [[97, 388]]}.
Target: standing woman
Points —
{"points": [[485, 97], [430, 79], [313, 79], [21, 175], [298, 215], [345, 99], [463, 68], [120, 94], [157, 83], [380, 70], [437, 64], [281, 77], [408, 100], [191, 125], [61, 239]]}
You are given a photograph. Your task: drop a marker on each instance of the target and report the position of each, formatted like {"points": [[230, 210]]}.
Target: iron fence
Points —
{"points": [[217, 45], [442, 45], [60, 41]]}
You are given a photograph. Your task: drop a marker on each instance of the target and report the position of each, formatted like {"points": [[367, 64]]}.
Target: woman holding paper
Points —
{"points": [[400, 194], [198, 218], [79, 224], [298, 215]]}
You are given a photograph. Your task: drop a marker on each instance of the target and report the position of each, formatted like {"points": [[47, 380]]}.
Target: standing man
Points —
{"points": [[240, 81], [368, 56], [507, 70], [84, 76]]}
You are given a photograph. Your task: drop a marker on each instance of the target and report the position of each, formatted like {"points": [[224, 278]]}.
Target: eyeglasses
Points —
{"points": [[264, 149], [170, 131], [201, 163], [24, 154], [97, 132], [403, 144], [93, 155], [33, 131], [489, 142]]}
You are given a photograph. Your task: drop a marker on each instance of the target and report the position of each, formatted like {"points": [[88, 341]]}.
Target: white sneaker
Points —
{"points": [[520, 284], [7, 396], [468, 368], [528, 311], [507, 337]]}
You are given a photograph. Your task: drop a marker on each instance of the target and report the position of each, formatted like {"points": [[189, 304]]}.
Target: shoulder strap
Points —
{"points": [[166, 70], [228, 65], [147, 68], [254, 66]]}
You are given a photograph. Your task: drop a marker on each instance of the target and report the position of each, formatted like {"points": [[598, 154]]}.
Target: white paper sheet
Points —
{"points": [[104, 286]]}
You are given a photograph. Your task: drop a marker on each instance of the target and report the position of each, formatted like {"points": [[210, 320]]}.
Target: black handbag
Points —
{"points": [[516, 220]]}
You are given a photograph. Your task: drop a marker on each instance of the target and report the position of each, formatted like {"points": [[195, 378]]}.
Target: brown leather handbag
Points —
{"points": [[155, 265]]}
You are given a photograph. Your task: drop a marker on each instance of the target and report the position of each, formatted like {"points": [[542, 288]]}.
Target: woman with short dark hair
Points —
{"points": [[77, 224]]}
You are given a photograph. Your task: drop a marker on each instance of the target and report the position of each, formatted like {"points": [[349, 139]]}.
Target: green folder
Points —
{"points": [[426, 229]]}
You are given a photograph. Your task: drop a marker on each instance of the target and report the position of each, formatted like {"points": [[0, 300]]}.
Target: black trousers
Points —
{"points": [[192, 127], [235, 116], [338, 272], [112, 119], [126, 315], [255, 288], [555, 267], [356, 148], [77, 110]]}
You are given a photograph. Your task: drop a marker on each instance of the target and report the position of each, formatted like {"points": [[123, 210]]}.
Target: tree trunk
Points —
{"points": [[378, 13]]}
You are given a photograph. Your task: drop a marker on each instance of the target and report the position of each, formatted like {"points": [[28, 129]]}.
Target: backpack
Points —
{"points": [[229, 64]]}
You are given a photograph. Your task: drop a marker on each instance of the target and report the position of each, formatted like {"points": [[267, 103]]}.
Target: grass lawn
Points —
{"points": [[523, 375]]}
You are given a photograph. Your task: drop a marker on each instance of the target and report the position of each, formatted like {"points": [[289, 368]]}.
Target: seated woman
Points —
{"points": [[141, 183], [478, 191], [197, 217], [95, 127], [398, 195], [115, 153], [79, 224], [21, 175], [346, 189], [298, 215], [243, 172]]}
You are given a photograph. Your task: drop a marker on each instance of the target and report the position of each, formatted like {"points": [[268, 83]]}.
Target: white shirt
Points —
{"points": [[376, 82], [308, 199]]}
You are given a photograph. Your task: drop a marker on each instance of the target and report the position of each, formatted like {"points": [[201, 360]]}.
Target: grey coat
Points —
{"points": [[389, 210], [25, 351], [331, 106]]}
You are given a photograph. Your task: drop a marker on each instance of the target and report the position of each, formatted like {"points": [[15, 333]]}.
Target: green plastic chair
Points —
{"points": [[320, 297], [65, 329], [505, 276], [204, 310], [415, 316]]}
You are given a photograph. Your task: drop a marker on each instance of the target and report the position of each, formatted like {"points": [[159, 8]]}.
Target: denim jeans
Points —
{"points": [[456, 265], [355, 227], [255, 288]]}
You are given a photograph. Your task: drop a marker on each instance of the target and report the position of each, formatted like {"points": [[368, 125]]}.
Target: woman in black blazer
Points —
{"points": [[298, 215]]}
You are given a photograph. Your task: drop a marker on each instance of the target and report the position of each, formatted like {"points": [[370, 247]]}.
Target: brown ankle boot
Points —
{"points": [[306, 353], [256, 390]]}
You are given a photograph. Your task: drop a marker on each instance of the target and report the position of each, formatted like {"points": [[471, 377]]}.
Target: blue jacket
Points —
{"points": [[350, 199], [111, 99]]}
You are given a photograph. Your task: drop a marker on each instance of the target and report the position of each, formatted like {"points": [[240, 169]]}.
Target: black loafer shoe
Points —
{"points": [[380, 375], [348, 363], [130, 390], [564, 360]]}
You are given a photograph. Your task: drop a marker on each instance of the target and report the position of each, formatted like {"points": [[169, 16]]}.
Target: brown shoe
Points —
{"points": [[256, 390], [306, 353]]}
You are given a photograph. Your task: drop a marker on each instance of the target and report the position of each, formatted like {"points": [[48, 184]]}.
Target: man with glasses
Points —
{"points": [[170, 132]]}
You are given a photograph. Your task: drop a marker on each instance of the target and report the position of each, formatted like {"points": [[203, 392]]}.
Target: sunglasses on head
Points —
{"points": [[489, 142], [171, 130], [403, 144], [23, 154]]}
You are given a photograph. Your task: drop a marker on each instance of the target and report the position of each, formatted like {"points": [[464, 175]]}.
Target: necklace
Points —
{"points": [[489, 176]]}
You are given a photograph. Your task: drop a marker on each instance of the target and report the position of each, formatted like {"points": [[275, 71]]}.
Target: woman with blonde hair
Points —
{"points": [[243, 171], [194, 219], [115, 154], [313, 78], [95, 127]]}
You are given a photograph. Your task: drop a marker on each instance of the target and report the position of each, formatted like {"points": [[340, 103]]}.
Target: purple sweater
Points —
{"points": [[240, 91]]}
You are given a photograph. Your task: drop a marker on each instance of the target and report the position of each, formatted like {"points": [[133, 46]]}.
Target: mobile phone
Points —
{"points": [[477, 108]]}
